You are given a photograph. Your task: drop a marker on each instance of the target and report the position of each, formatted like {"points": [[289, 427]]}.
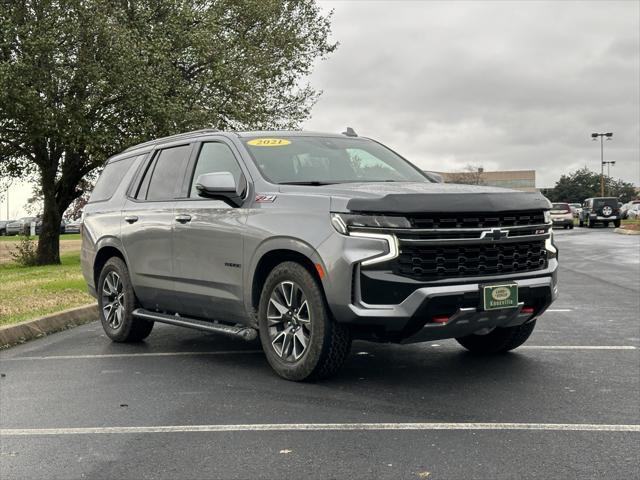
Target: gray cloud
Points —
{"points": [[509, 85]]}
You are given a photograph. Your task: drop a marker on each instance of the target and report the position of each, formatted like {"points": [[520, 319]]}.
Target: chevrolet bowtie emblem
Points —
{"points": [[495, 234]]}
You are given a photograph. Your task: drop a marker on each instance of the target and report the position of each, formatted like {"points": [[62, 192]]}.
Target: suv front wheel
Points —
{"points": [[498, 340], [300, 338], [116, 302]]}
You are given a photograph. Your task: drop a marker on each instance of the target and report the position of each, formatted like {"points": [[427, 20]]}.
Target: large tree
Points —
{"points": [[584, 183], [82, 79]]}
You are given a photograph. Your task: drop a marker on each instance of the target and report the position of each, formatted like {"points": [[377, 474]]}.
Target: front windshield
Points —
{"points": [[326, 160]]}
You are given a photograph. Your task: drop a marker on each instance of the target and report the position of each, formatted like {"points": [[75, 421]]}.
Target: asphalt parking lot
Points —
{"points": [[188, 405]]}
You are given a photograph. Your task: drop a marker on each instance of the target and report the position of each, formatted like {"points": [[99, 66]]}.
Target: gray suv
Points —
{"points": [[308, 241]]}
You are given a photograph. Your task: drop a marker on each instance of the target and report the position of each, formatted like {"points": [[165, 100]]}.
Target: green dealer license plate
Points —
{"points": [[500, 296]]}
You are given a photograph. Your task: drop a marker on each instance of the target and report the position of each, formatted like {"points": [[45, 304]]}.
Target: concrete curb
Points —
{"points": [[30, 329], [626, 231]]}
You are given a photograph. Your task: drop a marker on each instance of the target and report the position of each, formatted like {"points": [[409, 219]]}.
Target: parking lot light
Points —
{"points": [[595, 136]]}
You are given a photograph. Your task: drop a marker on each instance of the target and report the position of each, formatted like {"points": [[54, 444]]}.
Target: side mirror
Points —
{"points": [[222, 186]]}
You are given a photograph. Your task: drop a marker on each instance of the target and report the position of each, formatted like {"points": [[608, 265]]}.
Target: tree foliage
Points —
{"points": [[82, 79], [581, 184]]}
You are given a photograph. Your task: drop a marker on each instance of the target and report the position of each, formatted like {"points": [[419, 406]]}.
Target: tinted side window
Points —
{"points": [[214, 157], [110, 178], [169, 165]]}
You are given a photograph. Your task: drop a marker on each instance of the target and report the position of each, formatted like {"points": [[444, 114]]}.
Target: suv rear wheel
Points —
{"points": [[300, 338], [499, 340], [116, 302]]}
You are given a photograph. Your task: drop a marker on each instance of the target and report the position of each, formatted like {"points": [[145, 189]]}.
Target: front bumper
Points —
{"points": [[562, 221], [412, 320], [411, 317]]}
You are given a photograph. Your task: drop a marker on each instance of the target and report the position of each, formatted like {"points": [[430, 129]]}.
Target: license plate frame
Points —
{"points": [[500, 296]]}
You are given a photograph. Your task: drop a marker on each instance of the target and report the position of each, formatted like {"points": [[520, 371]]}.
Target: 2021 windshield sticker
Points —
{"points": [[268, 142]]}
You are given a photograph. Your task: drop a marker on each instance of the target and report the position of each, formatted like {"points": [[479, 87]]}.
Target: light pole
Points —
{"points": [[609, 164], [595, 136]]}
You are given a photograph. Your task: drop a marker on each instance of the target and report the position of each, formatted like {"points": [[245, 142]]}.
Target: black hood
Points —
{"points": [[417, 197]]}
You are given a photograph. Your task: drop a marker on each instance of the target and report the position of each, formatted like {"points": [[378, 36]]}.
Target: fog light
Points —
{"points": [[527, 310]]}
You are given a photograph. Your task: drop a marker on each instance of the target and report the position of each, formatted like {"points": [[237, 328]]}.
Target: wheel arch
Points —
{"points": [[267, 258], [102, 257]]}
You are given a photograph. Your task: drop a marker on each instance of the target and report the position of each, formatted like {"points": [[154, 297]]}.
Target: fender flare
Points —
{"points": [[278, 243]]}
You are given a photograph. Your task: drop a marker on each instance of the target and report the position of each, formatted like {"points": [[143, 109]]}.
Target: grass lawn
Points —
{"points": [[66, 236], [631, 224], [31, 292]]}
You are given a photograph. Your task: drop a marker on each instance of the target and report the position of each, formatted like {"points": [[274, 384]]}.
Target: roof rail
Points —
{"points": [[171, 137]]}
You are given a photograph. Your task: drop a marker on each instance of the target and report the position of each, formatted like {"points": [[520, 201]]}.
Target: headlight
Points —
{"points": [[343, 222], [547, 216], [550, 246]]}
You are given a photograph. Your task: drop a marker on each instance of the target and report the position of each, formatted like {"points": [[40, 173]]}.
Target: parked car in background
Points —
{"points": [[576, 208], [3, 226], [633, 213], [626, 207], [603, 210], [561, 215], [73, 226], [21, 226], [39, 226]]}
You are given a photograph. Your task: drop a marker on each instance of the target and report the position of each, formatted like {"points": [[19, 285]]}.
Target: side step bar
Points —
{"points": [[238, 331]]}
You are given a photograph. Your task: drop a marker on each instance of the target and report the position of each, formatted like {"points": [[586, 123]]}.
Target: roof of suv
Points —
{"points": [[208, 131]]}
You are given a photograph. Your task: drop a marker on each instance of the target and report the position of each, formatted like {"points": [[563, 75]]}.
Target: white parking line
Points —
{"points": [[250, 352], [578, 347], [128, 355], [559, 310], [315, 427]]}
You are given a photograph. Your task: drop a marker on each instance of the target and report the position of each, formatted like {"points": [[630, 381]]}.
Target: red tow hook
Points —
{"points": [[440, 319]]}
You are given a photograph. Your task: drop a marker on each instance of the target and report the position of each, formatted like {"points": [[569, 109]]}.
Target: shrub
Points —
{"points": [[25, 252]]}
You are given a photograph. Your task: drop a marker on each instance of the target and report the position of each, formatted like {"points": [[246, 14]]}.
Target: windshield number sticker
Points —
{"points": [[268, 142]]}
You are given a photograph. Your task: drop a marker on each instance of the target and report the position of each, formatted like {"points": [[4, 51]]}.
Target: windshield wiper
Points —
{"points": [[315, 183]]}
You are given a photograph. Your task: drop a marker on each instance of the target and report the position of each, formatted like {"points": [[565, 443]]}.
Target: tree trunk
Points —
{"points": [[49, 241], [48, 251]]}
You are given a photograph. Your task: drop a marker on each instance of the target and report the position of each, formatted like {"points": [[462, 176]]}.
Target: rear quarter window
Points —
{"points": [[110, 179]]}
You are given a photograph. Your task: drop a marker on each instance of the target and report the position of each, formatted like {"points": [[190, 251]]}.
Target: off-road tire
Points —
{"points": [[617, 223], [581, 223], [571, 227], [329, 342], [499, 340], [131, 329], [590, 224]]}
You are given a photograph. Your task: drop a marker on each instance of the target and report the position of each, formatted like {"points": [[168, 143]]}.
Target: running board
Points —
{"points": [[237, 331]]}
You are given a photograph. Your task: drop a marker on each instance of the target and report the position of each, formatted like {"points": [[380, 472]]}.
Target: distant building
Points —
{"points": [[524, 180]]}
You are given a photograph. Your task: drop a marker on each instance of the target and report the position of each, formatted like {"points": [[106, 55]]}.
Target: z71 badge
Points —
{"points": [[265, 198]]}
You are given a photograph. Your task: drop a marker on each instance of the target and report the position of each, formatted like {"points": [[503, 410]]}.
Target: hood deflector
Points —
{"points": [[447, 202]]}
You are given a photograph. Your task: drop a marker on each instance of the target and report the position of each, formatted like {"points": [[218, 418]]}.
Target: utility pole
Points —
{"points": [[595, 136]]}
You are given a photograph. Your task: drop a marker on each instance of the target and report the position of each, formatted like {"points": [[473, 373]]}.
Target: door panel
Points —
{"points": [[147, 223], [208, 241], [148, 245], [207, 259]]}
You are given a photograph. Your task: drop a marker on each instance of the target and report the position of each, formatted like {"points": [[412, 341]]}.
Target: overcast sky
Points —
{"points": [[505, 85]]}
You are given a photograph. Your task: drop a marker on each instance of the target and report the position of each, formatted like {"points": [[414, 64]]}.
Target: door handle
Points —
{"points": [[131, 219], [183, 218]]}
